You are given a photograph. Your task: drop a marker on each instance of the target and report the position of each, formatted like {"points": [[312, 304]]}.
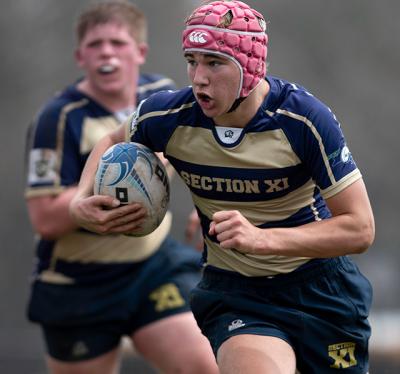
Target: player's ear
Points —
{"points": [[143, 49], [78, 57]]}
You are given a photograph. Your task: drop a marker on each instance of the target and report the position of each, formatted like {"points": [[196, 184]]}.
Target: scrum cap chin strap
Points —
{"points": [[235, 104]]}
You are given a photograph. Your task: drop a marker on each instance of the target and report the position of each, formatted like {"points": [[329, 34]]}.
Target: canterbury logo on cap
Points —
{"points": [[199, 37]]}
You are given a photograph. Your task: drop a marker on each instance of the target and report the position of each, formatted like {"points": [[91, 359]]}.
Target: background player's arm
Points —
{"points": [[350, 230], [50, 216], [168, 167], [193, 233]]}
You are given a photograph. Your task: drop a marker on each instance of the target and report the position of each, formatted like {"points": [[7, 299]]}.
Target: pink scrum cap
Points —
{"points": [[234, 30]]}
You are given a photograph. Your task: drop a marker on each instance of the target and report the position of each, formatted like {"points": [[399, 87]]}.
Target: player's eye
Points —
{"points": [[94, 44], [213, 63], [118, 43]]}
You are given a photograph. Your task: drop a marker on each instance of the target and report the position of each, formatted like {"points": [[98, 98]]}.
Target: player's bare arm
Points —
{"points": [[102, 214], [49, 214], [350, 230], [193, 233]]}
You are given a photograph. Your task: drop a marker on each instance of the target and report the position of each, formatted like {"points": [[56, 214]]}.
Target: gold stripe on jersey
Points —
{"points": [[82, 247], [261, 212], [250, 265], [271, 150], [43, 191], [93, 129], [341, 184], [164, 112], [314, 130], [155, 85]]}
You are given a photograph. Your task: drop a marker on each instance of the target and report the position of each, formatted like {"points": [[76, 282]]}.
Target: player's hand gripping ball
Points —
{"points": [[132, 173]]}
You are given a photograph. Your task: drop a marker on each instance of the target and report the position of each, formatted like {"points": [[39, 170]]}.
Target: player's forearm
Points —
{"points": [[50, 216], [337, 236]]}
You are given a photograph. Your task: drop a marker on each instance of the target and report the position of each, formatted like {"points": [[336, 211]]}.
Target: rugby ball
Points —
{"points": [[131, 172]]}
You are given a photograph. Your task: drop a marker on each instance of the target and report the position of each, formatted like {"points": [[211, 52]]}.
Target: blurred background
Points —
{"points": [[347, 53]]}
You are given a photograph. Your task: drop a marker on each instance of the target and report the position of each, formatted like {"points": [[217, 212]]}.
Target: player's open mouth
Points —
{"points": [[203, 97], [107, 69]]}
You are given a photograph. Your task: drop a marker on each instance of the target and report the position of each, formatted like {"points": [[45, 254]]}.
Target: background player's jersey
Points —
{"points": [[59, 142], [276, 171]]}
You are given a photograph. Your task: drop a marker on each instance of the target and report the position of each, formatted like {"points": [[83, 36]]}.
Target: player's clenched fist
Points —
{"points": [[234, 231]]}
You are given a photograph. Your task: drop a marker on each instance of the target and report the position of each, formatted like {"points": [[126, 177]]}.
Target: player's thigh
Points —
{"points": [[107, 363], [175, 344], [247, 353]]}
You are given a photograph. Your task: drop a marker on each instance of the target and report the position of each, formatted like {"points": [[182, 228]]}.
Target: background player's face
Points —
{"points": [[215, 81], [110, 57]]}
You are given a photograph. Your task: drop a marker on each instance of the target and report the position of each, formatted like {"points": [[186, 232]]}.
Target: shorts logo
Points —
{"points": [[198, 37], [343, 355], [79, 349], [167, 297], [236, 324]]}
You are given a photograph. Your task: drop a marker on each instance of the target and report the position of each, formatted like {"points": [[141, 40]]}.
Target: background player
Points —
{"points": [[280, 198], [90, 290]]}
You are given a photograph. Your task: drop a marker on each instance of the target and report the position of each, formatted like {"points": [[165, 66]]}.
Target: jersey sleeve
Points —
{"points": [[323, 149], [152, 124], [51, 162]]}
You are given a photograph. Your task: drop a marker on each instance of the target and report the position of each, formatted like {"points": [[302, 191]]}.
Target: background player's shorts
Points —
{"points": [[82, 322], [320, 310]]}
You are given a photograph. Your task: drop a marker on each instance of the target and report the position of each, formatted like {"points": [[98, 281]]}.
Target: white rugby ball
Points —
{"points": [[131, 172]]}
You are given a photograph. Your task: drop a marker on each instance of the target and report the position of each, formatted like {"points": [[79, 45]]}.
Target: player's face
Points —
{"points": [[110, 57], [215, 81]]}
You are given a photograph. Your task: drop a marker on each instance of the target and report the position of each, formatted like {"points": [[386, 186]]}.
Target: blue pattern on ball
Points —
{"points": [[125, 156]]}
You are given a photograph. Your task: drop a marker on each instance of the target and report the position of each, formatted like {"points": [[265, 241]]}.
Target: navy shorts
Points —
{"points": [[83, 322], [321, 310]]}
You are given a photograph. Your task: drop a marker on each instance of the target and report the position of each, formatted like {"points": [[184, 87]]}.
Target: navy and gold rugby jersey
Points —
{"points": [[59, 142], [277, 171]]}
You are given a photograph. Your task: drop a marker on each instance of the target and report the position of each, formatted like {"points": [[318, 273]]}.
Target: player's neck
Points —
{"points": [[247, 109], [111, 101]]}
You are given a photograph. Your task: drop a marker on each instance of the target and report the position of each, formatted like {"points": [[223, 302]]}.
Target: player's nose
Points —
{"points": [[200, 75], [107, 49]]}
